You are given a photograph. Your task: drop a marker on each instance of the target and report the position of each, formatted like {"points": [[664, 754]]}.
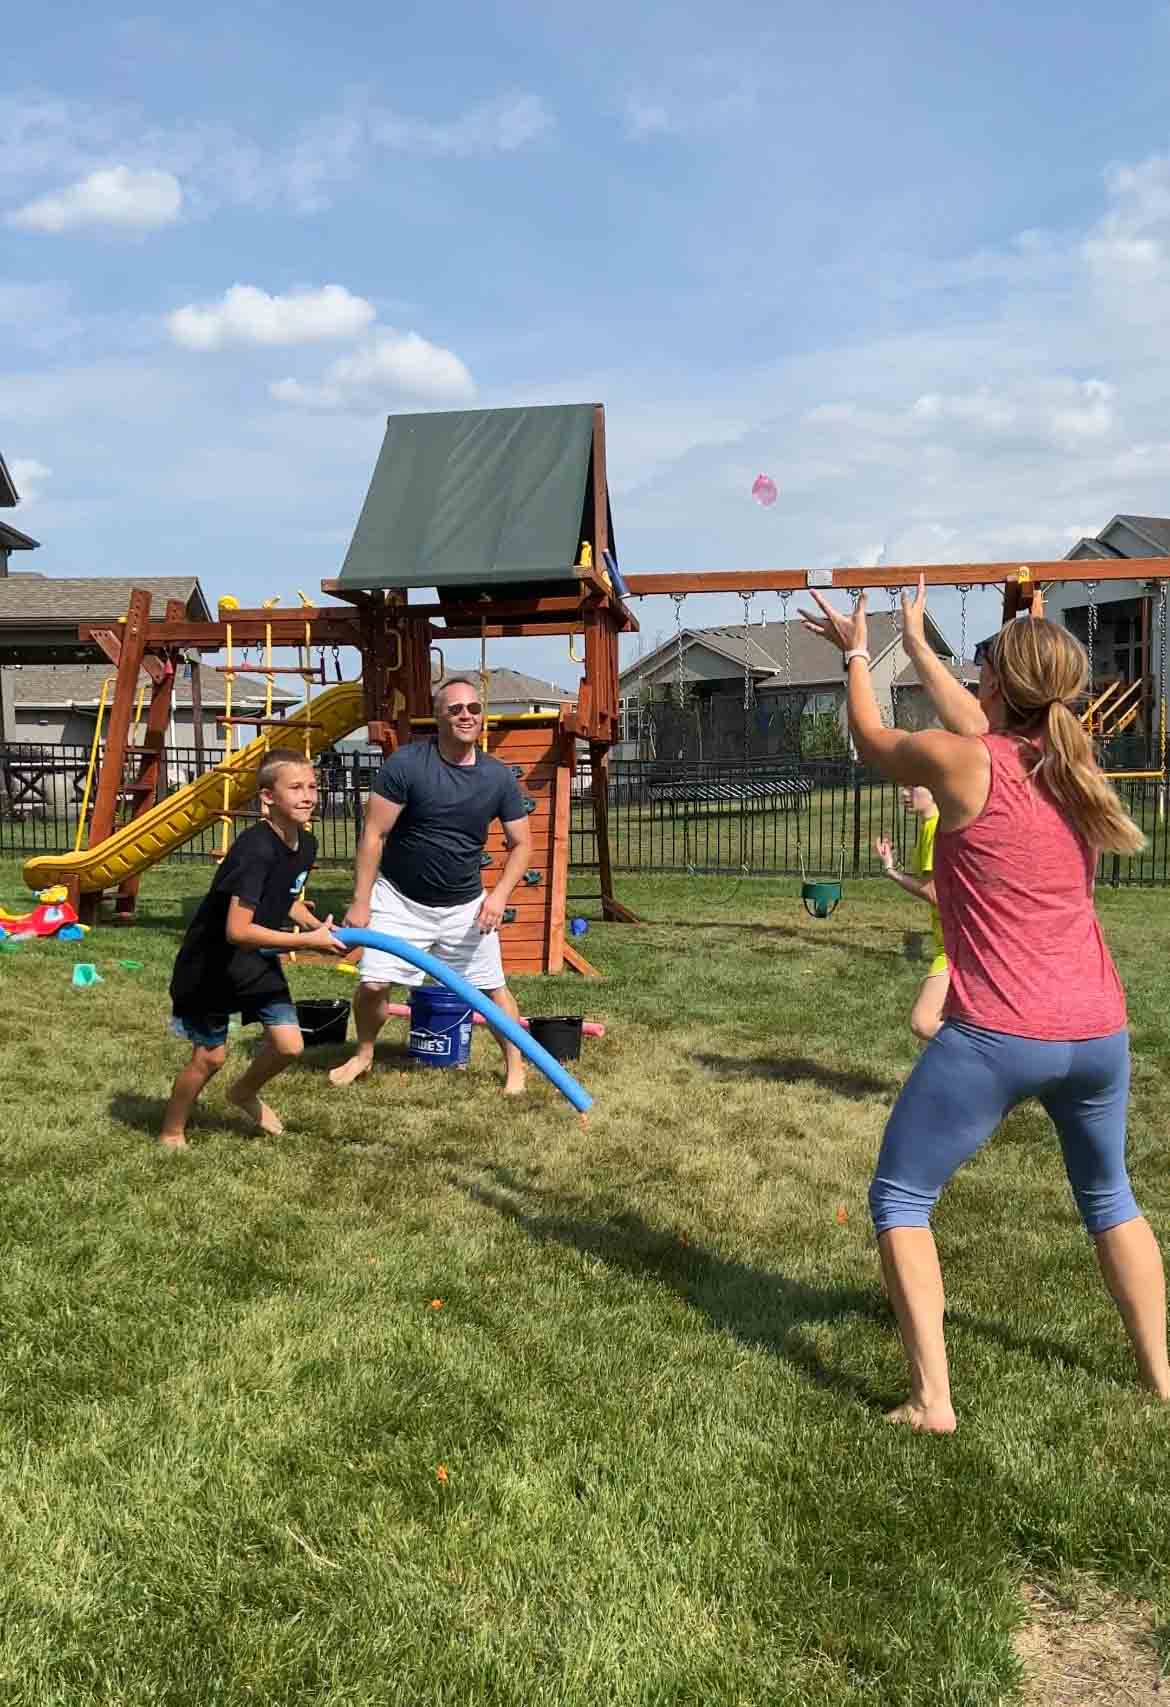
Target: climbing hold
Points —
{"points": [[532, 877]]}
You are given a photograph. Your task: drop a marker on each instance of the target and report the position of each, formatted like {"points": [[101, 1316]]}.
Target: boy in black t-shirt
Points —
{"points": [[221, 969]]}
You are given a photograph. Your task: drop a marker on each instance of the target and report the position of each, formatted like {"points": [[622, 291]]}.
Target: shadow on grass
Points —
{"points": [[145, 1114], [795, 1069], [809, 938], [759, 1307]]}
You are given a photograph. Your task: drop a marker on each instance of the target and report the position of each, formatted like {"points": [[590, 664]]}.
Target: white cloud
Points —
{"points": [[494, 127], [710, 95], [979, 408], [123, 197], [248, 315], [46, 137], [645, 118], [28, 476], [392, 365]]}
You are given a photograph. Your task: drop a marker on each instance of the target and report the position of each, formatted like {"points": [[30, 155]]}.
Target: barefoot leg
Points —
{"points": [[514, 1076], [1131, 1265], [370, 1013], [914, 1283], [202, 1067], [282, 1045]]}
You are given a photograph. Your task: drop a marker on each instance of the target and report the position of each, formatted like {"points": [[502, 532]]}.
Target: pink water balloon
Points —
{"points": [[764, 490]]}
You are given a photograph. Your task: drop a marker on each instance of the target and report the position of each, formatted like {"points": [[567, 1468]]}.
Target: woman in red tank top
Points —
{"points": [[1035, 1007]]}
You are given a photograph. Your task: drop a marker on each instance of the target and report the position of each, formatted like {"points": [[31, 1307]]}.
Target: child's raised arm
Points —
{"points": [[922, 888]]}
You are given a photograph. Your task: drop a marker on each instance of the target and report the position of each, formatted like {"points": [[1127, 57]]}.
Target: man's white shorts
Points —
{"points": [[449, 933]]}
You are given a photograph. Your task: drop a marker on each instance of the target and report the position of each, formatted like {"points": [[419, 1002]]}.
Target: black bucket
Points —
{"points": [[560, 1036], [323, 1022]]}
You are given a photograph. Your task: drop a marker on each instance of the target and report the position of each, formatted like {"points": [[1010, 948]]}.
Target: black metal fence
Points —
{"points": [[42, 788], [769, 818]]}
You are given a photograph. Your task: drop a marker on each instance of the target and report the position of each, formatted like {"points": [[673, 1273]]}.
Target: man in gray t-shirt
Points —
{"points": [[418, 873]]}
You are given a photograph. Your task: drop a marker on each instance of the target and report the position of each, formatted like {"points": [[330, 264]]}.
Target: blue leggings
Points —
{"points": [[967, 1080]]}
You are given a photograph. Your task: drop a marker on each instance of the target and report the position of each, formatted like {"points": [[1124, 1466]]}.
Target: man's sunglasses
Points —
{"points": [[473, 706], [983, 649]]}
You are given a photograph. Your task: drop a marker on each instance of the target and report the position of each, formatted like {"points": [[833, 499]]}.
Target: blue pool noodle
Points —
{"points": [[496, 1017]]}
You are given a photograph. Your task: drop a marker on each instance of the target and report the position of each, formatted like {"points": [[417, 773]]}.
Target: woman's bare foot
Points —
{"points": [[924, 1419], [259, 1113], [172, 1141], [355, 1068]]}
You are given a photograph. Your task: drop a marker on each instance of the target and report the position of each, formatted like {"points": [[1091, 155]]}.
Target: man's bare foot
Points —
{"points": [[259, 1113], [172, 1141], [355, 1068], [924, 1419]]}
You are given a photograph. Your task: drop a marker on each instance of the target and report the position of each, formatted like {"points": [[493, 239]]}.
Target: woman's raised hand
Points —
{"points": [[844, 629]]}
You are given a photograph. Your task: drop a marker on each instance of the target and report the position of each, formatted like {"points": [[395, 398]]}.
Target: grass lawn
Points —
{"points": [[637, 1456]]}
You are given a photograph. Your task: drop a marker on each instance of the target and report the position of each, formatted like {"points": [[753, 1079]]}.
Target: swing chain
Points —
{"points": [[747, 669], [1091, 635], [680, 659], [337, 662], [963, 592]]}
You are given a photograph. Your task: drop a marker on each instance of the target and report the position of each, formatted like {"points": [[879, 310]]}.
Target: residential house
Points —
{"points": [[11, 539], [1127, 628], [510, 694], [59, 703], [912, 709], [793, 676]]}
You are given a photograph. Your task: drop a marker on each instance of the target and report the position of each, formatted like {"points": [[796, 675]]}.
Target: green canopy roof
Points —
{"points": [[474, 497]]}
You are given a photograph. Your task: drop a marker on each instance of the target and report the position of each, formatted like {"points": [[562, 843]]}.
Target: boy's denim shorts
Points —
{"points": [[210, 1031]]}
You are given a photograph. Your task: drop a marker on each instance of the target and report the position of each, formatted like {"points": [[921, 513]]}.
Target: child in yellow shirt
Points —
{"points": [[927, 1015]]}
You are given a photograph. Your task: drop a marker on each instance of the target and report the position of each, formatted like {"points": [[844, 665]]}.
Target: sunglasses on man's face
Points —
{"points": [[473, 706], [983, 649]]}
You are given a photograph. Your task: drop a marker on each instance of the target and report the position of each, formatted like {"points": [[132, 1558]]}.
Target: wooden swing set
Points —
{"points": [[506, 515]]}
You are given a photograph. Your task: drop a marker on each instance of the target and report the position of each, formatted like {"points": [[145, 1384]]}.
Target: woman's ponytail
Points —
{"points": [[1041, 670]]}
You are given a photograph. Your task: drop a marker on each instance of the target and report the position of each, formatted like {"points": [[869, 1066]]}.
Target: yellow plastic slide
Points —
{"points": [[174, 821]]}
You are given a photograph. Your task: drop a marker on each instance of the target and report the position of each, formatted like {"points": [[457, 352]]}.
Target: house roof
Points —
{"points": [[813, 660], [8, 493], [42, 600], [1154, 531], [1092, 548], [11, 539], [513, 684], [39, 687], [967, 673]]}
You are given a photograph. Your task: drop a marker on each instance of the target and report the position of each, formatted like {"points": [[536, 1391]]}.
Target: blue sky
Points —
{"points": [[914, 267]]}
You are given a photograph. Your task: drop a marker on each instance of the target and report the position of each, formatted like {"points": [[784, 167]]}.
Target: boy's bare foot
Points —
{"points": [[924, 1419], [515, 1084], [259, 1113], [172, 1141], [349, 1071]]}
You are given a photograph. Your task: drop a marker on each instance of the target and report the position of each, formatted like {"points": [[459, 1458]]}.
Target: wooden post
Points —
{"points": [[559, 863], [132, 635], [151, 773], [600, 638], [599, 788], [197, 714]]}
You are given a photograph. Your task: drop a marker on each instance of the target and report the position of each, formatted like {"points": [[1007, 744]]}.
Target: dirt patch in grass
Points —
{"points": [[1088, 1649]]}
